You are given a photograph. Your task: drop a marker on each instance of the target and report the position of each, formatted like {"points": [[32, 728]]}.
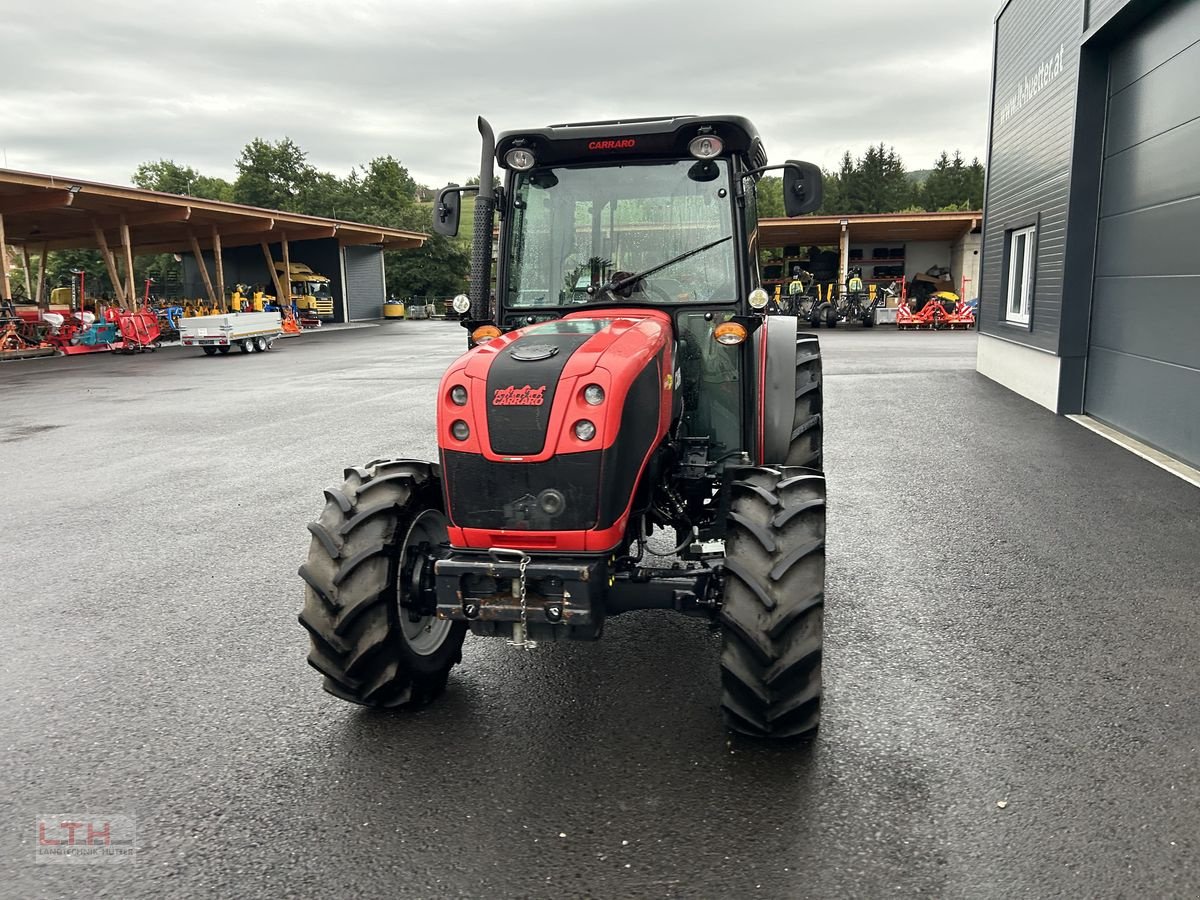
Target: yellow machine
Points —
{"points": [[255, 302], [310, 291]]}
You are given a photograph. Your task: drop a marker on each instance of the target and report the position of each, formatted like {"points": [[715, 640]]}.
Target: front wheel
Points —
{"points": [[772, 614], [369, 599]]}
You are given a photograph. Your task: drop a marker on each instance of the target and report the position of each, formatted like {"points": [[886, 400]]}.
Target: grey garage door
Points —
{"points": [[1143, 373], [364, 282]]}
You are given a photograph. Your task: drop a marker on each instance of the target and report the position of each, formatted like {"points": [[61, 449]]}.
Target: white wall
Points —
{"points": [[964, 262], [1031, 373]]}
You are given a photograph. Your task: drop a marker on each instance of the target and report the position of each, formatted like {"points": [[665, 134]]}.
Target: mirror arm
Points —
{"points": [[751, 173]]}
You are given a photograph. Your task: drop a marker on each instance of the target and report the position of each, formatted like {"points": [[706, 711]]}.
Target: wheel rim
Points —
{"points": [[426, 635]]}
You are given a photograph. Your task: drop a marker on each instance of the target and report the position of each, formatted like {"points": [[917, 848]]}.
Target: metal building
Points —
{"points": [[1090, 281]]}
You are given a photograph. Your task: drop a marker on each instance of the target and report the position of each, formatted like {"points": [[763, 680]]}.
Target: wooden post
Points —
{"points": [[220, 268], [110, 263], [133, 302], [287, 270], [4, 285], [208, 287], [41, 285], [271, 268], [25, 262]]}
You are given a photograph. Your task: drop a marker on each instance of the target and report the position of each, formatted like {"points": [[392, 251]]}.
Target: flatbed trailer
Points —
{"points": [[248, 331]]}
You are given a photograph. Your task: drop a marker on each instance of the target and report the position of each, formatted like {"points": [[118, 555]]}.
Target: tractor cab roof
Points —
{"points": [[651, 138]]}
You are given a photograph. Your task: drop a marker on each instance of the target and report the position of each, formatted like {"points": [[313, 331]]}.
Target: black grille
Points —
{"points": [[485, 494]]}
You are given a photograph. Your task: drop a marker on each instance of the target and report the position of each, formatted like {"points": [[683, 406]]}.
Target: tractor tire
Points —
{"points": [[772, 616], [372, 650], [806, 447], [209, 351]]}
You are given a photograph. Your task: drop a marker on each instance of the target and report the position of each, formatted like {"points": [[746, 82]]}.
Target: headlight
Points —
{"points": [[706, 146], [585, 430], [458, 395], [593, 395], [461, 303], [460, 430], [519, 159]]}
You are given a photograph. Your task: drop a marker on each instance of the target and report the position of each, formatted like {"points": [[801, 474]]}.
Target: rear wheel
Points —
{"points": [[244, 346], [773, 610], [209, 351], [369, 601], [225, 348], [806, 444]]}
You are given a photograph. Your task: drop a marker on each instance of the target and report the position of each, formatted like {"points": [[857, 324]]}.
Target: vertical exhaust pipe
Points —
{"points": [[481, 240]]}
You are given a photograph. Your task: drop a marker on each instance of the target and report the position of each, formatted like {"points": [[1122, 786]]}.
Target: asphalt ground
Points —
{"points": [[1011, 668]]}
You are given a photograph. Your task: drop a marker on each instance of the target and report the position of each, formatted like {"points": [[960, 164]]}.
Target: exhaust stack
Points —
{"points": [[481, 239]]}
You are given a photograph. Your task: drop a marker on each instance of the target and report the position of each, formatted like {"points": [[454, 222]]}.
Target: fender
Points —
{"points": [[775, 350]]}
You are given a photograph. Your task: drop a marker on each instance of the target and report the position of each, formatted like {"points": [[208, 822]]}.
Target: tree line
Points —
{"points": [[878, 182]]}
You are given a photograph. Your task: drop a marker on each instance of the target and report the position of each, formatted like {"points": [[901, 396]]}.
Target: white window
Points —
{"points": [[1021, 255]]}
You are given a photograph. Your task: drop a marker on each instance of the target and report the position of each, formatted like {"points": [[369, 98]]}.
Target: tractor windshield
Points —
{"points": [[580, 227]]}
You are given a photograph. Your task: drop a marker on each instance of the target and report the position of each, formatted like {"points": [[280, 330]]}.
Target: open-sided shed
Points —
{"points": [[42, 213]]}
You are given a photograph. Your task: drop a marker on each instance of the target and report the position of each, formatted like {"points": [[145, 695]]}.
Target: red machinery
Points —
{"points": [[139, 331], [937, 313]]}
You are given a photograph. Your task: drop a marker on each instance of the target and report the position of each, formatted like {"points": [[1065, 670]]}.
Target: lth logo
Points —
{"points": [[519, 396]]}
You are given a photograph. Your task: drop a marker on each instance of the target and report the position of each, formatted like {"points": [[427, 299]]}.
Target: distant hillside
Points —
{"points": [[918, 176]]}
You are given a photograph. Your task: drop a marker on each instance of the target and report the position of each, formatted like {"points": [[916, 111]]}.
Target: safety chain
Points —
{"points": [[522, 641]]}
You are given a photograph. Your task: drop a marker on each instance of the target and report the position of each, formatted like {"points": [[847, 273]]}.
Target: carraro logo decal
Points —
{"points": [[519, 396], [621, 144]]}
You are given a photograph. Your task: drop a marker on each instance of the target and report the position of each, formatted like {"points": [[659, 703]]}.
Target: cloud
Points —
{"points": [[92, 90]]}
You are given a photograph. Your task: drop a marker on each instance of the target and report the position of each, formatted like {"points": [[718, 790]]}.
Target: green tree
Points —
{"points": [[954, 185], [172, 178], [770, 197], [439, 269], [274, 175]]}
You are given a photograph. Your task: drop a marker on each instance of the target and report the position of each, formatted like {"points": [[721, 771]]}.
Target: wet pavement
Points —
{"points": [[1011, 677]]}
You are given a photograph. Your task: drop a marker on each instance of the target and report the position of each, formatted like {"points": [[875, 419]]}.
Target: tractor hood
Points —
{"points": [[529, 429]]}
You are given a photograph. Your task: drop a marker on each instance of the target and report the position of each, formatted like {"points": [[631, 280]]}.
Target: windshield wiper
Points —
{"points": [[614, 286]]}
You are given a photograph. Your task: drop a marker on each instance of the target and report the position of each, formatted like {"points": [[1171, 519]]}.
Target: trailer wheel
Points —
{"points": [[244, 346], [260, 344], [369, 599], [224, 348], [807, 442], [209, 351], [773, 610]]}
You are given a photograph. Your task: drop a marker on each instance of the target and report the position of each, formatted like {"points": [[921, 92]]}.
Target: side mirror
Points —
{"points": [[447, 210], [803, 188]]}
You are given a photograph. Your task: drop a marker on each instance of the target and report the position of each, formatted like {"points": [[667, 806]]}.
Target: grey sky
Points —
{"points": [[92, 89]]}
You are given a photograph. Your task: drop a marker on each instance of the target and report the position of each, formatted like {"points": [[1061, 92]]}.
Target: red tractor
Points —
{"points": [[625, 379]]}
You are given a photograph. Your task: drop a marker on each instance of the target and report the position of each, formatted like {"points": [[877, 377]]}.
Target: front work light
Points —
{"points": [[458, 395], [461, 303], [460, 430], [758, 298], [593, 395], [519, 159], [485, 333], [706, 146], [729, 333], [585, 430]]}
